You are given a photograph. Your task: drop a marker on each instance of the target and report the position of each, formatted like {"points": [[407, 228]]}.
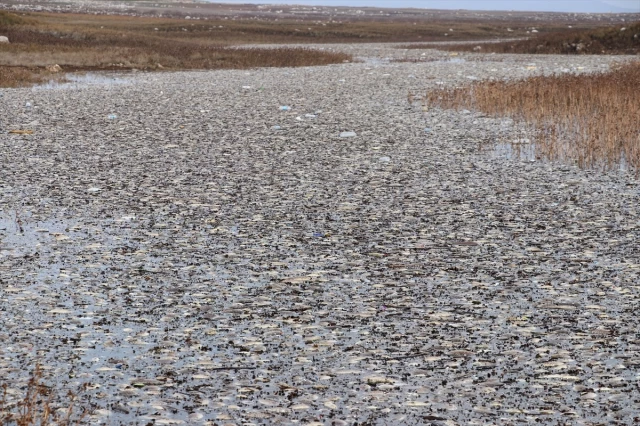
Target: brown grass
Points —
{"points": [[21, 76], [219, 31], [598, 41], [590, 119], [36, 408], [82, 42], [102, 42]]}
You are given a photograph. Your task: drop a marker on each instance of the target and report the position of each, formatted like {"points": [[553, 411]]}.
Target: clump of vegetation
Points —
{"points": [[35, 407], [591, 119], [621, 40], [9, 19], [22, 76]]}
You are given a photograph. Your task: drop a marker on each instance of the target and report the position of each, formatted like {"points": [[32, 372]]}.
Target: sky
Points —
{"points": [[588, 6]]}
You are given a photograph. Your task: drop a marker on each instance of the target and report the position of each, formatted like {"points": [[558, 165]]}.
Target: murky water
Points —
{"points": [[19, 236], [527, 152], [195, 267]]}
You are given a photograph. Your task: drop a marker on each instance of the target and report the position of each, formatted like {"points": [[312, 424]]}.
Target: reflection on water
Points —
{"points": [[373, 60], [78, 81], [19, 235], [527, 152], [513, 151]]}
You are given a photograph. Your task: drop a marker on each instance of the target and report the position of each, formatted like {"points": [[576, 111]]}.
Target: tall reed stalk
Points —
{"points": [[35, 408]]}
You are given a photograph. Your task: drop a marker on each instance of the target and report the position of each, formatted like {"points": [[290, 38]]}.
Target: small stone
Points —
{"points": [[54, 69]]}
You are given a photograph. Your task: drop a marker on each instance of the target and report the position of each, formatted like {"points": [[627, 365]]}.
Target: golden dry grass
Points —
{"points": [[35, 407], [591, 119], [22, 76]]}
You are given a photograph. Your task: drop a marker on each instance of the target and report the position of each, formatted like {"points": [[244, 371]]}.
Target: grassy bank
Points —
{"points": [[619, 40], [74, 28], [590, 119], [104, 42], [82, 42], [23, 76]]}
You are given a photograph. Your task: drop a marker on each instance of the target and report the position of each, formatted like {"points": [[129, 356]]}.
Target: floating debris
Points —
{"points": [[185, 267]]}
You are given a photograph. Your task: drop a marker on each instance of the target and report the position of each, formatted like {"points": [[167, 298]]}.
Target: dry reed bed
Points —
{"points": [[590, 119], [35, 407]]}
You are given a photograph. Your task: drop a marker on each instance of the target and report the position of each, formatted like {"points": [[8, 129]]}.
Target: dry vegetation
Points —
{"points": [[242, 31], [620, 40], [89, 42], [22, 76], [82, 42], [35, 407], [591, 119]]}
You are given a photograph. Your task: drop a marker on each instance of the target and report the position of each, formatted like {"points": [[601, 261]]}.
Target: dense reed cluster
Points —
{"points": [[590, 119]]}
